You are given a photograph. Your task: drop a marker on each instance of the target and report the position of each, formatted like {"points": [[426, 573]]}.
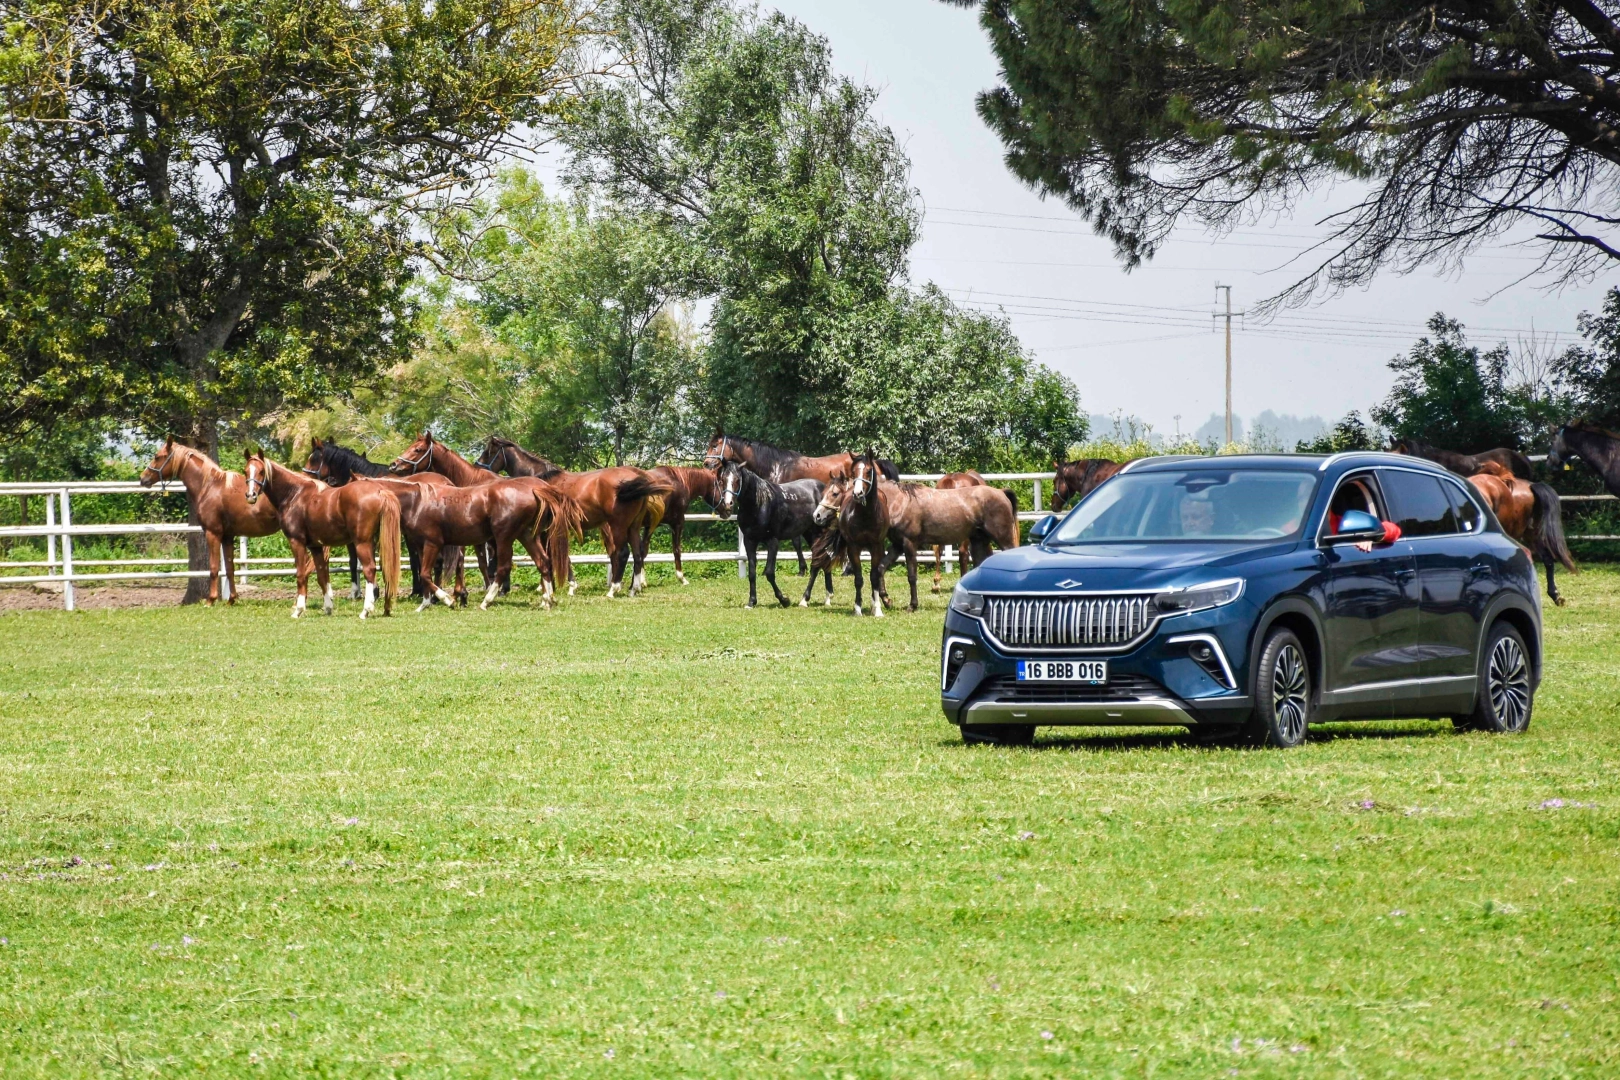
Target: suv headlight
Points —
{"points": [[967, 603], [1198, 597]]}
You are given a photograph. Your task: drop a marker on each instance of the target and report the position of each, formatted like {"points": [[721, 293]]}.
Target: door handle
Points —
{"points": [[1478, 571], [1405, 573]]}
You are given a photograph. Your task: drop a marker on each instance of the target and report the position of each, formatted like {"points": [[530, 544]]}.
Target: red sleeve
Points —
{"points": [[1392, 531], [1333, 522]]}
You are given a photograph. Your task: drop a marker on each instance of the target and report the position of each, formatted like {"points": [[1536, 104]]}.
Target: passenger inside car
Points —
{"points": [[1356, 495]]}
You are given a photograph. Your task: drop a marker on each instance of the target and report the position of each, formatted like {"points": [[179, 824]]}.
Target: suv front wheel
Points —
{"points": [[1283, 701]]}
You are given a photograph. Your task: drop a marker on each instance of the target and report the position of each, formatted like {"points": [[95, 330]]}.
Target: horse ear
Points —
{"points": [[315, 442]]}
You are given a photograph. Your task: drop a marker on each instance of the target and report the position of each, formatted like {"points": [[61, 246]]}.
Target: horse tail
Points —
{"points": [[1521, 465], [561, 517], [889, 469], [652, 513], [388, 551], [1002, 530], [643, 486], [1012, 497], [1550, 542]]}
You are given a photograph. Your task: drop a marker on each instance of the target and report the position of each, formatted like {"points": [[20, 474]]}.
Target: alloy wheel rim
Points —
{"points": [[1290, 693], [1509, 684]]}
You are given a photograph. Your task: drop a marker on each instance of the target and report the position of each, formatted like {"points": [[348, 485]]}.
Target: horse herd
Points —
{"points": [[436, 503]]}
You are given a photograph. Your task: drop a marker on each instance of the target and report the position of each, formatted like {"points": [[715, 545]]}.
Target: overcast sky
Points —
{"points": [[1143, 342]]}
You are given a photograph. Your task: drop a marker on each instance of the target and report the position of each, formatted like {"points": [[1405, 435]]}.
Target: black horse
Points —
{"points": [[1596, 446], [337, 465], [768, 512]]}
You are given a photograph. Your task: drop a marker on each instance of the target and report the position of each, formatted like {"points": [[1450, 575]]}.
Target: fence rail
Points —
{"points": [[63, 569]]}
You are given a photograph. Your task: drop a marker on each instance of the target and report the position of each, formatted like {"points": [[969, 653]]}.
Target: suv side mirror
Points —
{"points": [[1357, 527], [1038, 531]]}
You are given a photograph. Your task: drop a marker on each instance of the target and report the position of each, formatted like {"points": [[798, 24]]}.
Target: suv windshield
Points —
{"points": [[1193, 504]]}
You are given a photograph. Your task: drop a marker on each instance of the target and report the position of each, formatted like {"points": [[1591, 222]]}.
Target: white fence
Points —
{"points": [[62, 569]]}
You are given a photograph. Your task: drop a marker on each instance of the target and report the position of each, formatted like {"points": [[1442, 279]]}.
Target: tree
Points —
{"points": [[733, 131], [1450, 394], [1591, 373], [204, 204], [1462, 119], [1350, 433]]}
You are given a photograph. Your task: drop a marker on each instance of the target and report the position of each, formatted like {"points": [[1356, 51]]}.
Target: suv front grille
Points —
{"points": [[1055, 622], [1006, 689]]}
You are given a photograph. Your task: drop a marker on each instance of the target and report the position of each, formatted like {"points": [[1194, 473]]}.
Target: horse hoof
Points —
{"points": [[804, 603], [1560, 601]]}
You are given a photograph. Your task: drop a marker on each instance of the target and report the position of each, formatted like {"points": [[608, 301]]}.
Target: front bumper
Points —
{"points": [[1158, 682]]}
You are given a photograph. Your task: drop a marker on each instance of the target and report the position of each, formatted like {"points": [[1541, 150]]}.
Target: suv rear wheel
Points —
{"points": [[1283, 701], [1505, 698], [999, 734]]}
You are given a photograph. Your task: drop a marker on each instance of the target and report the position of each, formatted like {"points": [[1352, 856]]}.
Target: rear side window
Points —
{"points": [[1464, 508], [1420, 507]]}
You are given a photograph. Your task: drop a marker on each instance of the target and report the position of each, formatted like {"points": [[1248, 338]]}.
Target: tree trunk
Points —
{"points": [[205, 436]]}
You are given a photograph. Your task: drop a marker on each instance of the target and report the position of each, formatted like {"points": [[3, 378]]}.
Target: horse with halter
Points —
{"points": [[1598, 447], [219, 499], [1077, 479], [966, 479], [770, 512], [783, 466], [1465, 465], [335, 466], [688, 483], [970, 518], [363, 515], [1530, 513], [620, 500], [857, 502]]}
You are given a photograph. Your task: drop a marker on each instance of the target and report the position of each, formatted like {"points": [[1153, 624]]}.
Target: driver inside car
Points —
{"points": [[1355, 496]]}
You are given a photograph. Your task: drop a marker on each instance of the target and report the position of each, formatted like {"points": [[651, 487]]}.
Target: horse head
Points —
{"points": [[728, 482], [418, 457], [1558, 452], [832, 499], [863, 477], [1064, 484], [165, 464], [318, 464], [720, 451], [494, 456], [257, 470]]}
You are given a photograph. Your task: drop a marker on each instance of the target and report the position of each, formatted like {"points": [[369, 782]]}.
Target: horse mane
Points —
{"points": [[1590, 428], [547, 468], [355, 462]]}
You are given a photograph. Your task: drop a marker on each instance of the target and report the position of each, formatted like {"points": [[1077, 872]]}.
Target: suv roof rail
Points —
{"points": [[1384, 455], [1134, 462]]}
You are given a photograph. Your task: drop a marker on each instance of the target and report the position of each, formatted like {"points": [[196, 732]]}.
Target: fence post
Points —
{"points": [[50, 540], [1037, 506], [950, 560], [67, 554], [224, 578], [742, 555]]}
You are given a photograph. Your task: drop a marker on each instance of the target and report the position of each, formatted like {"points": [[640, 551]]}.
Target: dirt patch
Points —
{"points": [[105, 597]]}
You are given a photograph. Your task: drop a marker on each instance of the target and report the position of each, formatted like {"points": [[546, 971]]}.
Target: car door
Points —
{"points": [[1371, 620], [1448, 625]]}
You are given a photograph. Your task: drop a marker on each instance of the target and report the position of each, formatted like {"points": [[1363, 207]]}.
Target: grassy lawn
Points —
{"points": [[670, 837]]}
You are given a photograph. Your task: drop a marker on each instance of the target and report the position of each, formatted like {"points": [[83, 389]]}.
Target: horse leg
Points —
{"points": [[354, 574], [212, 541], [502, 568], [1552, 584], [675, 529], [303, 558], [366, 552], [858, 572], [939, 559], [638, 552], [911, 571], [542, 565], [770, 569], [457, 557], [880, 588], [798, 549], [752, 549], [323, 575], [431, 589], [229, 556], [419, 586]]}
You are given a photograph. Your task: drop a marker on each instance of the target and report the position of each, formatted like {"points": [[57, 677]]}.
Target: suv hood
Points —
{"points": [[1105, 567]]}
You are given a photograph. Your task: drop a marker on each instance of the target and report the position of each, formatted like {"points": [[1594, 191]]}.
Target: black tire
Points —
{"points": [[1284, 701], [1506, 695], [999, 734]]}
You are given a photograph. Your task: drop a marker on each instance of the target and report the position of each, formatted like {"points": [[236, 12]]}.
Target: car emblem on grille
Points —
{"points": [[1068, 583]]}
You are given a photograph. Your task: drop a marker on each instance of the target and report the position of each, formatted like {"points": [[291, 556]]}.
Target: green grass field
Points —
{"points": [[670, 837]]}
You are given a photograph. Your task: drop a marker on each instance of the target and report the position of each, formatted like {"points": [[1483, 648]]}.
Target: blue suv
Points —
{"points": [[1255, 594]]}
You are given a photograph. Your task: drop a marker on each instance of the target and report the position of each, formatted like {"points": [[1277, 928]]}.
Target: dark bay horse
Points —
{"points": [[1466, 464], [688, 483], [1077, 479], [1531, 514], [857, 502], [965, 479], [783, 466], [768, 512], [1598, 447], [363, 515], [622, 501], [220, 500], [336, 465]]}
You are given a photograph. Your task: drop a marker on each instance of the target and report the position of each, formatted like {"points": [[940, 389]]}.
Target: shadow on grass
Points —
{"points": [[1113, 740]]}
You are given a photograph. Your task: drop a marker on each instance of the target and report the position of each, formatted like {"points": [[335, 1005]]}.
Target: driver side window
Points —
{"points": [[1358, 491]]}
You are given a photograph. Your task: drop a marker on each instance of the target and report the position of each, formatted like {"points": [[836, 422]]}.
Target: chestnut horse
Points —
{"points": [[971, 518], [621, 500], [858, 502], [1531, 514], [1515, 463], [220, 501], [966, 479], [1077, 479], [363, 515], [688, 484]]}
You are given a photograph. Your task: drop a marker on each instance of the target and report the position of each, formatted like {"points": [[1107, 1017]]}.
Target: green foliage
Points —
{"points": [[1592, 373], [1458, 119], [1350, 433], [204, 215], [1450, 394]]}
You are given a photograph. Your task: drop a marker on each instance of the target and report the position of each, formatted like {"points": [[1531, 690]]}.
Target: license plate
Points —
{"points": [[1082, 671]]}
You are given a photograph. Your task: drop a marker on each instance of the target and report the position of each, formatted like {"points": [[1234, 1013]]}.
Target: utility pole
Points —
{"points": [[1228, 317]]}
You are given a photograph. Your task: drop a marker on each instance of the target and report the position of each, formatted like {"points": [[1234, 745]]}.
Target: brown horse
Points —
{"points": [[688, 483], [971, 518], [951, 482], [363, 515], [1515, 463], [858, 502], [439, 515], [220, 501], [622, 501], [1077, 479], [1531, 514]]}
